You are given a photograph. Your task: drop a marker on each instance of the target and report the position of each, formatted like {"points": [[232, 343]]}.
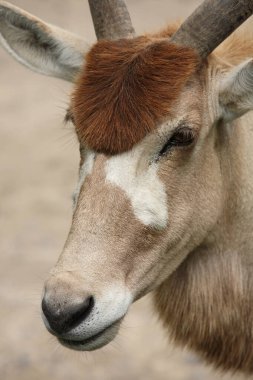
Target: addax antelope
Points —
{"points": [[164, 199]]}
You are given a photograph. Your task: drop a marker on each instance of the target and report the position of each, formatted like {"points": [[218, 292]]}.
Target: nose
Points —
{"points": [[63, 316]]}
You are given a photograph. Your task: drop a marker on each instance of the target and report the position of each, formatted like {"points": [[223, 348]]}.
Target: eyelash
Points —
{"points": [[182, 137]]}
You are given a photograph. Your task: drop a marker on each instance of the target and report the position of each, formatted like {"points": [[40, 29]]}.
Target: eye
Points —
{"points": [[182, 137]]}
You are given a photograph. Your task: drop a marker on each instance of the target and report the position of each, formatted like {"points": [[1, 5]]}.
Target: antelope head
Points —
{"points": [[148, 112]]}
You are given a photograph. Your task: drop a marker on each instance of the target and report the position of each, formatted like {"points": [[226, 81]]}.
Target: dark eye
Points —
{"points": [[180, 138]]}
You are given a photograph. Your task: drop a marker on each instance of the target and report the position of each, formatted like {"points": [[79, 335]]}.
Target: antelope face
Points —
{"points": [[136, 216], [150, 188]]}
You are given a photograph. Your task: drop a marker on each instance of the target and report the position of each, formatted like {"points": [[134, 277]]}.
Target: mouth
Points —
{"points": [[94, 342]]}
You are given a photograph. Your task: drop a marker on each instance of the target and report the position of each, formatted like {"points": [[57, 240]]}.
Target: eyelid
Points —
{"points": [[164, 136], [183, 126]]}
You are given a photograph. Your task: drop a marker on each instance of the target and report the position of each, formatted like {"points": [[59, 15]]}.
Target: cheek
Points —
{"points": [[194, 193]]}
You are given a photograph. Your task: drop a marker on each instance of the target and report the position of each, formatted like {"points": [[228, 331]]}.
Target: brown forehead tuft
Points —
{"points": [[126, 88]]}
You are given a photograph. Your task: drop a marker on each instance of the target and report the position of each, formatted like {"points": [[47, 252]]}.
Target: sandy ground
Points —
{"points": [[38, 169]]}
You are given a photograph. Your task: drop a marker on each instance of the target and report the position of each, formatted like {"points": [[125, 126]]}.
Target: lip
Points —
{"points": [[94, 342]]}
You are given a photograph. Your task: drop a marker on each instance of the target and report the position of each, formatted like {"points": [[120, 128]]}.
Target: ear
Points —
{"points": [[236, 91], [41, 47]]}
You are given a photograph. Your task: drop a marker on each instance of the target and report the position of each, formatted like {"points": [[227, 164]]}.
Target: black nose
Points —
{"points": [[63, 317]]}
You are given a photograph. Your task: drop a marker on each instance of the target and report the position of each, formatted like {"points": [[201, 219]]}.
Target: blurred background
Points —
{"points": [[38, 170]]}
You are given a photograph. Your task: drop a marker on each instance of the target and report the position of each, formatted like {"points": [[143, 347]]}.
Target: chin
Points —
{"points": [[94, 342]]}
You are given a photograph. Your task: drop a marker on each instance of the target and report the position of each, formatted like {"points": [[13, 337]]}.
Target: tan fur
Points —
{"points": [[206, 304], [238, 46]]}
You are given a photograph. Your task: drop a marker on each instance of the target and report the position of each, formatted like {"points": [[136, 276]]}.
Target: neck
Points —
{"points": [[207, 302]]}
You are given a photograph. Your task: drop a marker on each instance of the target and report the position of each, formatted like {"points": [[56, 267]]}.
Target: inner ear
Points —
{"points": [[236, 91], [39, 46]]}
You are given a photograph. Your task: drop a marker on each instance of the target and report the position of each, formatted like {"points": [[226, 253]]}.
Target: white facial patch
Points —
{"points": [[143, 187], [85, 170]]}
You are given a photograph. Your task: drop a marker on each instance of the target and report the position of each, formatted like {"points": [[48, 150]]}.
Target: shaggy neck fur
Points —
{"points": [[207, 306]]}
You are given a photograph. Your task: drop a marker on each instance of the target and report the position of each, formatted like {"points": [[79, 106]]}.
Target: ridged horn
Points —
{"points": [[111, 19], [211, 23]]}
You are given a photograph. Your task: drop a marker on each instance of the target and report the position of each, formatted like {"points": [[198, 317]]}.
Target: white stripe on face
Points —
{"points": [[143, 187]]}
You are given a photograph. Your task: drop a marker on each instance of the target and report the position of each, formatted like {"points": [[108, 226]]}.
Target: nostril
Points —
{"points": [[63, 316], [80, 314]]}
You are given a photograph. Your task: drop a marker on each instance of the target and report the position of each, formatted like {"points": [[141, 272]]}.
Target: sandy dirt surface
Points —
{"points": [[38, 169]]}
